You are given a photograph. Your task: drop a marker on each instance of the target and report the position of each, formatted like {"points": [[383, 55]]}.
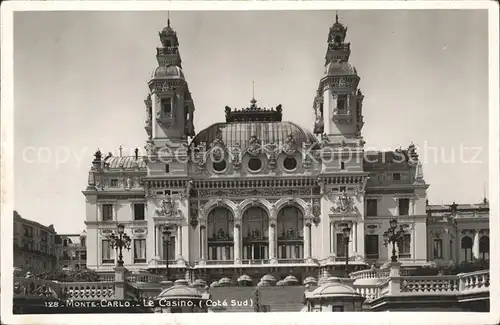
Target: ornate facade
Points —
{"points": [[255, 194]]}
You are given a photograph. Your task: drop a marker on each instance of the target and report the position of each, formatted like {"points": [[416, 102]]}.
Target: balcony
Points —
{"points": [[255, 262], [51, 290], [291, 261], [167, 50], [219, 262], [342, 115]]}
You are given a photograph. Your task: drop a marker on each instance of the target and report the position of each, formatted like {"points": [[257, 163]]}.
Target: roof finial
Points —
{"points": [[168, 18], [336, 16], [485, 199], [253, 101], [120, 148]]}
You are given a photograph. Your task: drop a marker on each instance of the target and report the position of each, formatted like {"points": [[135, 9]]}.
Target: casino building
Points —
{"points": [[255, 195]]}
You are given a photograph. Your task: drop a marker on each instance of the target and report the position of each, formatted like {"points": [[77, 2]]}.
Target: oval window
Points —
{"points": [[290, 163], [219, 166], [254, 164]]}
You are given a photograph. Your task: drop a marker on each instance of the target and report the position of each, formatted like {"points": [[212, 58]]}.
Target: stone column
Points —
{"points": [[475, 246], [237, 243], [120, 272], [446, 245], [355, 237], [178, 244], [307, 241], [99, 212], [203, 244], [394, 279], [332, 238], [272, 243]]}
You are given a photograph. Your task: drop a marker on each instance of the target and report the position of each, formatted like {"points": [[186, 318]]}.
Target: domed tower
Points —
{"points": [[338, 102], [169, 106]]}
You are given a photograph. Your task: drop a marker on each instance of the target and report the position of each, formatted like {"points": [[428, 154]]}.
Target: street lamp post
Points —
{"points": [[120, 241], [393, 235], [346, 231], [167, 232]]}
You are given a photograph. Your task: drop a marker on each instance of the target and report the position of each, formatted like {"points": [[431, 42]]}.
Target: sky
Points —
{"points": [[80, 79]]}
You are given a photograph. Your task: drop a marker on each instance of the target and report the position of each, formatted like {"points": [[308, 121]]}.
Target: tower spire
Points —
{"points": [[253, 101], [168, 18], [336, 16]]}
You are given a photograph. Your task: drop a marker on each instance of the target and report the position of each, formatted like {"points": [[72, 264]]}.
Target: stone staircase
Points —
{"points": [[282, 299], [275, 299]]}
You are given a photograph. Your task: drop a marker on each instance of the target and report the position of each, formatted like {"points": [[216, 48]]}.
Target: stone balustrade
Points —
{"points": [[87, 290], [255, 262], [461, 284], [370, 292], [429, 284], [291, 260], [32, 287], [474, 282], [221, 262], [370, 274], [144, 278]]}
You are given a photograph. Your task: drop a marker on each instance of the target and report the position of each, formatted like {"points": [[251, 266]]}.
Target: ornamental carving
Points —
{"points": [[159, 86], [324, 140], [217, 153], [193, 206], [266, 192], [254, 146], [200, 156], [436, 233], [236, 155], [150, 148], [140, 232], [340, 82], [271, 153], [167, 207], [362, 187], [218, 142], [316, 208], [158, 108], [187, 191], [290, 146], [307, 162], [343, 204]]}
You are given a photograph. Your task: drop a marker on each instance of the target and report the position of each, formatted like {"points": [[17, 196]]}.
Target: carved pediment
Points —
{"points": [[167, 207], [343, 204]]}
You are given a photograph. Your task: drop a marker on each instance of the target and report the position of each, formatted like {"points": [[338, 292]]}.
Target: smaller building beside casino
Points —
{"points": [[40, 249], [72, 251], [34, 245]]}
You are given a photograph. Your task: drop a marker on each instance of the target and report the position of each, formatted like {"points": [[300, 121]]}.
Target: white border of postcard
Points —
{"points": [[7, 185]]}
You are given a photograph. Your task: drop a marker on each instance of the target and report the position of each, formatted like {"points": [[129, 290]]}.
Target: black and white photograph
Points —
{"points": [[249, 157]]}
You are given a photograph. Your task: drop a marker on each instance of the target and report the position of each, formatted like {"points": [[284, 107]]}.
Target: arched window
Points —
{"points": [[255, 234], [290, 224], [467, 249], [220, 234], [484, 247]]}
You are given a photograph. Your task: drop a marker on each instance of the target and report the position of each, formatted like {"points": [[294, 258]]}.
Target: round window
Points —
{"points": [[219, 166], [290, 163], [254, 164]]}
